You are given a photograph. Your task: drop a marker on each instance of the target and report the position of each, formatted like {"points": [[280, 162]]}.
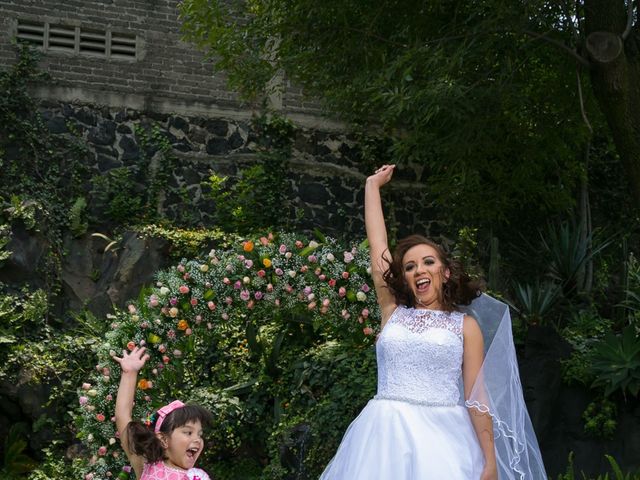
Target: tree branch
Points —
{"points": [[627, 30], [580, 97], [583, 61]]}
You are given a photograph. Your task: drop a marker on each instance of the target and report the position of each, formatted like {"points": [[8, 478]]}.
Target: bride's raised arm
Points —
{"points": [[377, 236]]}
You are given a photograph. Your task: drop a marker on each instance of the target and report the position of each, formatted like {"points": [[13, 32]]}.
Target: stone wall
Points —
{"points": [[128, 53], [325, 175]]}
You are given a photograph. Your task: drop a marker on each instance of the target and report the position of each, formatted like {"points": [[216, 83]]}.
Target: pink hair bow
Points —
{"points": [[166, 410]]}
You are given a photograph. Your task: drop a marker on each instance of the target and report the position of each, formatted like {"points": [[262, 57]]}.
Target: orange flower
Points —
{"points": [[131, 345], [183, 325], [144, 384], [266, 262], [247, 246]]}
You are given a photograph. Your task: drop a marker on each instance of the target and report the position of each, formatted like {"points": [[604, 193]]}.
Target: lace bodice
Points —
{"points": [[419, 356], [160, 471]]}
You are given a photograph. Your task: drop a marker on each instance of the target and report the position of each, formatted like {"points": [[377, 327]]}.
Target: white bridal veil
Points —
{"points": [[498, 392]]}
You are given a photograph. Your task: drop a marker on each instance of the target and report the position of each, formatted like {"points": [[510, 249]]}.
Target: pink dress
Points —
{"points": [[160, 471]]}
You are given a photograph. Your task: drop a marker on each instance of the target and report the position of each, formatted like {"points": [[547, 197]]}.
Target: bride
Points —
{"points": [[417, 427]]}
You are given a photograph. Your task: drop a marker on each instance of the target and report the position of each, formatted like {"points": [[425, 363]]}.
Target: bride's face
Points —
{"points": [[424, 274]]}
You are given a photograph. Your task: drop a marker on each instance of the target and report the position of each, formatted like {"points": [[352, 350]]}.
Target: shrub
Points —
{"points": [[281, 293]]}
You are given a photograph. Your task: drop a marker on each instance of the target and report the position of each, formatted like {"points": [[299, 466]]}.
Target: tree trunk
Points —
{"points": [[616, 80]]}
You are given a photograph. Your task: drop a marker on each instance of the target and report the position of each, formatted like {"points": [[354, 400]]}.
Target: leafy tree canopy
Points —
{"points": [[476, 92]]}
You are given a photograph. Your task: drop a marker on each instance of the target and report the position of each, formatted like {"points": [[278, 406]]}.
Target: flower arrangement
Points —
{"points": [[319, 280]]}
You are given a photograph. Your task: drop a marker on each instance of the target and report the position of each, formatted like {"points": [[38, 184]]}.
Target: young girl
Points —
{"points": [[168, 448]]}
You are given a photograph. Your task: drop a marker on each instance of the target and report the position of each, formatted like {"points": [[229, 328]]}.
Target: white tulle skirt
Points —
{"points": [[395, 440]]}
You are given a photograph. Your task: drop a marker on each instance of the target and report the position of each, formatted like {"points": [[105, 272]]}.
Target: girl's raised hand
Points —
{"points": [[381, 176], [134, 361]]}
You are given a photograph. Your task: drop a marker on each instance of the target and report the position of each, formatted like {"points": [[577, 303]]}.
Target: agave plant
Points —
{"points": [[570, 249], [535, 301], [632, 288], [616, 362], [16, 463]]}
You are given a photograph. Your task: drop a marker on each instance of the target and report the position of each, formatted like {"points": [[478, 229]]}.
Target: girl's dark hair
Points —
{"points": [[143, 440], [459, 289]]}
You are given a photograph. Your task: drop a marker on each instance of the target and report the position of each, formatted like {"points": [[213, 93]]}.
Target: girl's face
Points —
{"points": [[184, 445], [424, 274]]}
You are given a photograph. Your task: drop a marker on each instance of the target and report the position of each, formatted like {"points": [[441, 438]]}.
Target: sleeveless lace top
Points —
{"points": [[419, 355]]}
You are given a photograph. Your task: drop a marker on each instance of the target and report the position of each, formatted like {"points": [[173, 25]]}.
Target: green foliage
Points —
{"points": [[5, 238], [157, 170], [466, 250], [78, 223], [583, 331], [15, 463], [54, 465], [333, 383], [617, 472], [227, 330], [536, 301], [632, 290], [616, 362], [38, 170], [600, 418], [23, 210], [117, 194], [457, 88], [22, 315], [42, 174], [186, 243], [570, 248], [257, 200]]}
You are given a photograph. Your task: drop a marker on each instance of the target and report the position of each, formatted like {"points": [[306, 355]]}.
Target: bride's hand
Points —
{"points": [[490, 472], [381, 176]]}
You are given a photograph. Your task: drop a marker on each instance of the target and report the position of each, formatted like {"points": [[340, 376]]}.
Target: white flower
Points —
{"points": [[164, 290], [90, 437], [361, 296], [287, 255], [212, 253], [291, 273], [246, 280], [330, 257], [313, 244], [112, 441]]}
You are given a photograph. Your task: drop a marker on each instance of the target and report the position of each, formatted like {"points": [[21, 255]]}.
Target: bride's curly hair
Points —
{"points": [[459, 289]]}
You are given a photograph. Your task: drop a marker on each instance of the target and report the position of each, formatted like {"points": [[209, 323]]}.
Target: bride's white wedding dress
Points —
{"points": [[416, 427]]}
